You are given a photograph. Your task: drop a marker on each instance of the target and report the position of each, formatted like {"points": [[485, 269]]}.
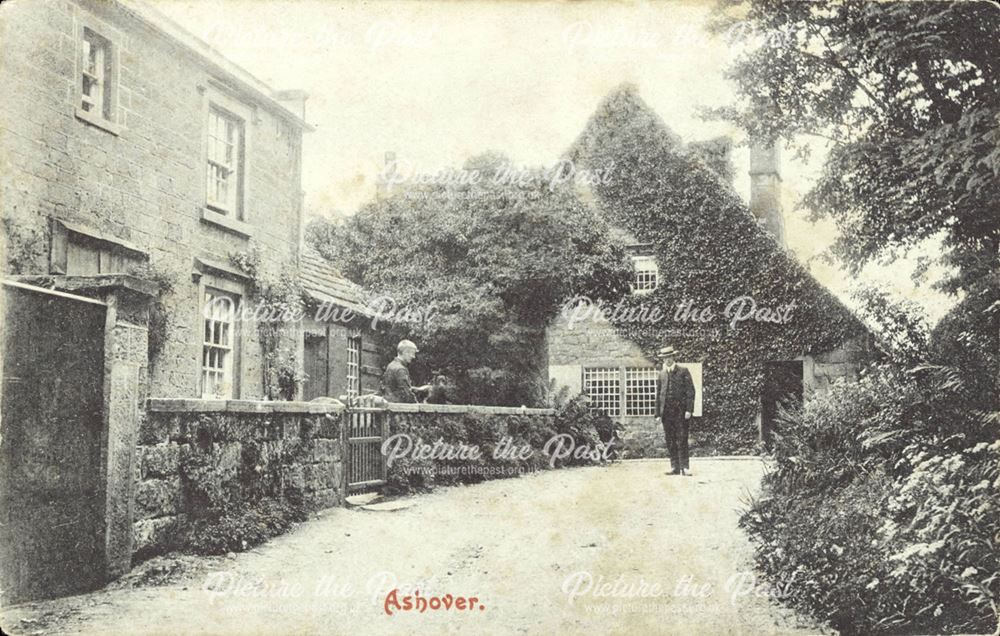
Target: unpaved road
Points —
{"points": [[623, 549]]}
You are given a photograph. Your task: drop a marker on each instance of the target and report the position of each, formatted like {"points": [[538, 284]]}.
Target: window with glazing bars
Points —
{"points": [[95, 75], [225, 150], [353, 365], [217, 346], [603, 387], [646, 273], [640, 391]]}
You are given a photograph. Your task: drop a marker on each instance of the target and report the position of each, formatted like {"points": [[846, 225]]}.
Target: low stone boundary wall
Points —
{"points": [[510, 442], [196, 455], [196, 458], [475, 409]]}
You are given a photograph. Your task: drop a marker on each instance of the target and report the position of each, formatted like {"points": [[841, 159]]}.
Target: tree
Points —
{"points": [[902, 325], [324, 234], [476, 263], [908, 96]]}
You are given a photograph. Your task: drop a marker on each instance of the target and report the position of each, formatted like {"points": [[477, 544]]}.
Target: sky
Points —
{"points": [[438, 82]]}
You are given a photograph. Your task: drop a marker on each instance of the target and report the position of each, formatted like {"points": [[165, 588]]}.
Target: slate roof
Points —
{"points": [[321, 280]]}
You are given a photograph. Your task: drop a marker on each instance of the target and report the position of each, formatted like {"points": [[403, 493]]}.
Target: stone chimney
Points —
{"points": [[384, 180], [765, 189], [293, 100]]}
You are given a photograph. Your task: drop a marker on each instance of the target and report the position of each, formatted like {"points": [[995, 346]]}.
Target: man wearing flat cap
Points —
{"points": [[396, 379], [674, 407]]}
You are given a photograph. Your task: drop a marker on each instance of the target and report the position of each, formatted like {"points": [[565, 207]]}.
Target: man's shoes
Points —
{"points": [[686, 472], [674, 472]]}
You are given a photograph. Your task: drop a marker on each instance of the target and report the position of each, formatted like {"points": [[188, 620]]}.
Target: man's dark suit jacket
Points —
{"points": [[396, 383], [675, 390]]}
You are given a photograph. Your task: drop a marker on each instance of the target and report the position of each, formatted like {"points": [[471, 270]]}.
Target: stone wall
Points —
{"points": [[197, 455], [484, 427], [141, 182], [823, 369], [587, 342]]}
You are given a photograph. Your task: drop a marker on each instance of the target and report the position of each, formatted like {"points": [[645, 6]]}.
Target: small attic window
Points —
{"points": [[647, 274]]}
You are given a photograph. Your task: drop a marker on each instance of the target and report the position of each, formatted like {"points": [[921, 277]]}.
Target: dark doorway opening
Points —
{"points": [[317, 364], [782, 387]]}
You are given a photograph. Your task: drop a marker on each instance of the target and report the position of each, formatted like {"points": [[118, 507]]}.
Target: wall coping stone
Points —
{"points": [[195, 405], [402, 407], [248, 406]]}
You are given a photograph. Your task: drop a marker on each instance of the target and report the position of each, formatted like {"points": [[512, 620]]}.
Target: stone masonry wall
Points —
{"points": [[821, 370], [588, 343], [483, 427], [144, 184], [241, 451]]}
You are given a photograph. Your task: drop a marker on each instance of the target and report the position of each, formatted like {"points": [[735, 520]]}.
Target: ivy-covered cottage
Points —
{"points": [[712, 278]]}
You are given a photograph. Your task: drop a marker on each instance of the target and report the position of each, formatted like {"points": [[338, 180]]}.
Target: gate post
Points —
{"points": [[125, 386], [345, 453]]}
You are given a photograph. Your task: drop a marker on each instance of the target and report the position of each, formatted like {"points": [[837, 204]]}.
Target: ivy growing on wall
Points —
{"points": [[159, 317], [710, 251], [25, 246], [276, 298]]}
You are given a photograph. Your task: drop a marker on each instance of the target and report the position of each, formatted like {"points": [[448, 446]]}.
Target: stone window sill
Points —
{"points": [[99, 122], [226, 222]]}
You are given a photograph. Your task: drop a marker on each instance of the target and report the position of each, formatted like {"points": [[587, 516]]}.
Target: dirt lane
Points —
{"points": [[619, 549]]}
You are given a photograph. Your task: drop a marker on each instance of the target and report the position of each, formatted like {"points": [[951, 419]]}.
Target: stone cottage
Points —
{"points": [[133, 147], [342, 347], [688, 260], [136, 162]]}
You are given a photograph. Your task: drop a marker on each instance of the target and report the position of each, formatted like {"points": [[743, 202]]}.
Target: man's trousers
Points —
{"points": [[675, 429]]}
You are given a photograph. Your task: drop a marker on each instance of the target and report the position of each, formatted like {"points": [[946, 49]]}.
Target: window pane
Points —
{"points": [[95, 54], [603, 387], [353, 365], [225, 136], [217, 350], [640, 391], [646, 273]]}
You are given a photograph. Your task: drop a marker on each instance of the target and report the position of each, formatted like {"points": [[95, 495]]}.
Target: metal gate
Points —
{"points": [[365, 430]]}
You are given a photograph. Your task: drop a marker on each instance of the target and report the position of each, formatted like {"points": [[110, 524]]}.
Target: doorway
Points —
{"points": [[782, 388]]}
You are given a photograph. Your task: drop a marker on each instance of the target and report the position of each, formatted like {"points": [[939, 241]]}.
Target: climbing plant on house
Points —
{"points": [[277, 301], [710, 252]]}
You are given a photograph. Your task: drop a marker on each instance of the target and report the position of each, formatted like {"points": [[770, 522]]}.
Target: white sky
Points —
{"points": [[438, 82]]}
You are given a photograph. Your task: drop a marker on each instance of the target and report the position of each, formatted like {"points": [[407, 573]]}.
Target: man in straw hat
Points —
{"points": [[674, 406]]}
